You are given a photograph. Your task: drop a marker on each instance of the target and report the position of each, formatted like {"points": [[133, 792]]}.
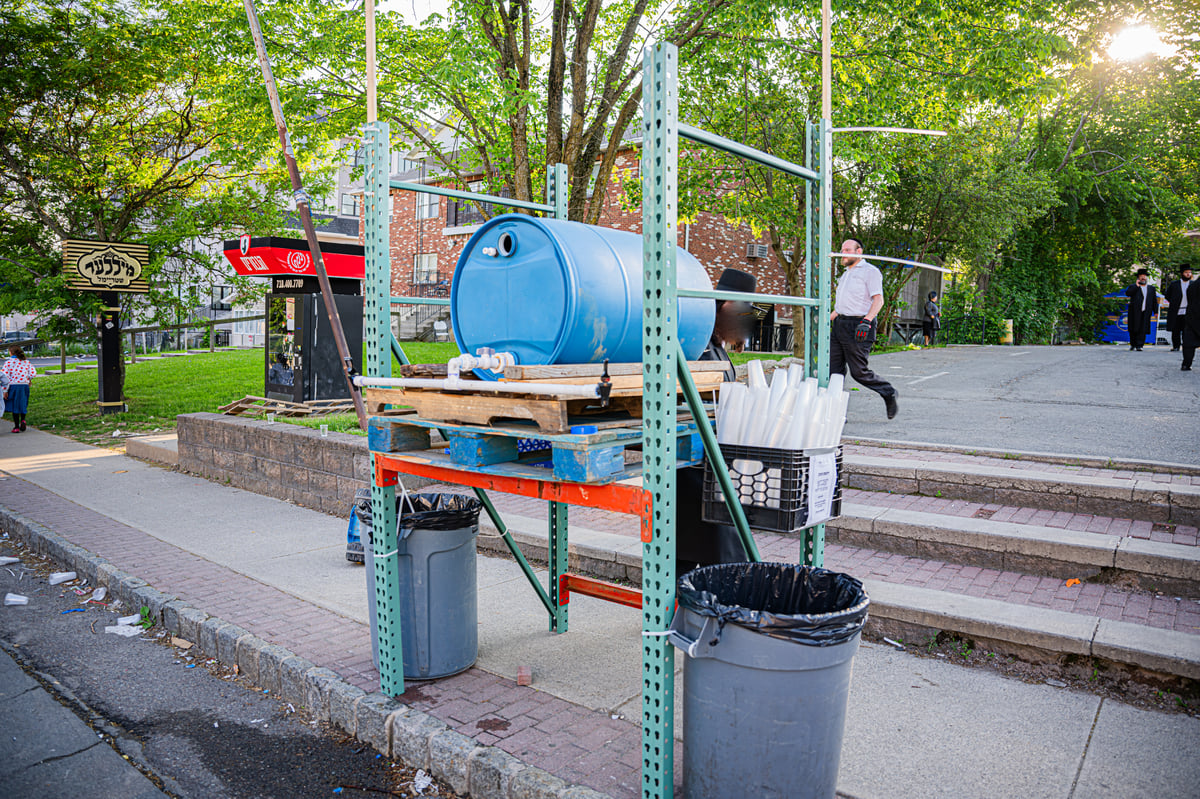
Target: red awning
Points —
{"points": [[264, 257]]}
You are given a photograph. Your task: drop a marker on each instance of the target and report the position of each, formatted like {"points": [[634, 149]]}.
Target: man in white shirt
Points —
{"points": [[1176, 295], [858, 301]]}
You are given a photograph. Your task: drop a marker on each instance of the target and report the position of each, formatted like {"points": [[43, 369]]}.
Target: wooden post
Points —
{"points": [[62, 353]]}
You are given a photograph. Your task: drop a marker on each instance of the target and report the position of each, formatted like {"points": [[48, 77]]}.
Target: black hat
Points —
{"points": [[736, 280], [1143, 272], [932, 294], [1185, 268]]}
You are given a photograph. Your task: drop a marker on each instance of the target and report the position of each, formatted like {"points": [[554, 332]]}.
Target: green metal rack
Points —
{"points": [[663, 370], [660, 175]]}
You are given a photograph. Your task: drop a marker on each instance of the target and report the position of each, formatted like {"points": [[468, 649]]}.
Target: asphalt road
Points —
{"points": [[190, 728], [1099, 400]]}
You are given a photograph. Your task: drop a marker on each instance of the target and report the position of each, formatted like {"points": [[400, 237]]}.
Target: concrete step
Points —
{"points": [[1161, 495], [1027, 548]]}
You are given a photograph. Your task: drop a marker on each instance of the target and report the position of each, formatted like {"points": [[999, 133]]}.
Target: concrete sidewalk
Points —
{"points": [[916, 727]]}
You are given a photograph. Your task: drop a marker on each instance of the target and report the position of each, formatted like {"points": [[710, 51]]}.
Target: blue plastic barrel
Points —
{"points": [[557, 292]]}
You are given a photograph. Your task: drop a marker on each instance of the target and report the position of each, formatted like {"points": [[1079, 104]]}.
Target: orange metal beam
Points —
{"points": [[589, 586], [612, 496]]}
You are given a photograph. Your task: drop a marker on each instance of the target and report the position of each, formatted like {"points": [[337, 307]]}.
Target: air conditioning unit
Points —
{"points": [[757, 250]]}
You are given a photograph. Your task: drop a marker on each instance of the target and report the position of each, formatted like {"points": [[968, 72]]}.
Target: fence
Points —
{"points": [[970, 329]]}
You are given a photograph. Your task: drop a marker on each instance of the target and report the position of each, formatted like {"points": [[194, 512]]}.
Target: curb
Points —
{"points": [[1122, 644], [390, 727], [1090, 461]]}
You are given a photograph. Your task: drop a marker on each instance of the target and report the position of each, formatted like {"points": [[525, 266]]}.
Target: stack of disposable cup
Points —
{"points": [[791, 412]]}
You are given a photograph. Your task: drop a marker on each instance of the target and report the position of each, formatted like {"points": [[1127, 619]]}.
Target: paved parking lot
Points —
{"points": [[1100, 400]]}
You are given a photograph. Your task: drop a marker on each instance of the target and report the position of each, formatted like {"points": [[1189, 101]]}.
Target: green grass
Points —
{"points": [[156, 391], [159, 390]]}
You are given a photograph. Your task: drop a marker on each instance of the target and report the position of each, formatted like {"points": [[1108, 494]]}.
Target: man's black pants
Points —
{"points": [[845, 351]]}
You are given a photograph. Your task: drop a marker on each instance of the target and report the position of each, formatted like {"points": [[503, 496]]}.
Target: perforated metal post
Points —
{"points": [[378, 329], [814, 538], [660, 143], [556, 190], [812, 234], [558, 565], [556, 197]]}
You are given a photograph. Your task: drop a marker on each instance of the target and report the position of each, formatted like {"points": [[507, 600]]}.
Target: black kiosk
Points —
{"points": [[301, 357]]}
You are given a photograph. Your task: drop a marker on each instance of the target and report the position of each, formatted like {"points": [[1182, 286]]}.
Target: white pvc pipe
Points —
{"points": [[494, 386]]}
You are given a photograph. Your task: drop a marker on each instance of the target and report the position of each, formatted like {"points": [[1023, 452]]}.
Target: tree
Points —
{"points": [[760, 83], [1120, 142], [129, 122], [488, 91]]}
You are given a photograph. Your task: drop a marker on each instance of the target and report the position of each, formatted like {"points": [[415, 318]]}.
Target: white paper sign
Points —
{"points": [[822, 481]]}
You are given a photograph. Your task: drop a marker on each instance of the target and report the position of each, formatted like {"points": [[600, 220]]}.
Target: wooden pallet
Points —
{"points": [[260, 406], [522, 450], [551, 415]]}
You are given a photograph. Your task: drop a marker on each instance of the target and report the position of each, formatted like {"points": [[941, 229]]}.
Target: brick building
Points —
{"points": [[428, 233]]}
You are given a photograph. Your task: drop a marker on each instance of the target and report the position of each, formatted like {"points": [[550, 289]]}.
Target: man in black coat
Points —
{"points": [[1191, 324], [1143, 304], [1175, 308]]}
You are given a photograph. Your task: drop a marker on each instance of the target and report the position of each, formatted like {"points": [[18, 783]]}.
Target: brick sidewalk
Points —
{"points": [[572, 742]]}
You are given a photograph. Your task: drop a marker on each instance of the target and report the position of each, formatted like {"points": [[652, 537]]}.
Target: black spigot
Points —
{"points": [[604, 389]]}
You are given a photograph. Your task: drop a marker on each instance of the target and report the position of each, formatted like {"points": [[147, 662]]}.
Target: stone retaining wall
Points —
{"points": [[280, 460]]}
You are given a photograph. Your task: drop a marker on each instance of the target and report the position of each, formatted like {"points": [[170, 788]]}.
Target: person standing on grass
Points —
{"points": [[857, 301], [20, 372]]}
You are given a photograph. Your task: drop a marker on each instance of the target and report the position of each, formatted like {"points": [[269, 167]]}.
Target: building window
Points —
{"points": [[351, 204], [461, 213], [360, 157], [425, 268], [427, 206], [222, 297]]}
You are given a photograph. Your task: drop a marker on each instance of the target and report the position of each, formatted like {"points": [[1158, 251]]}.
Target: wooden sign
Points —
{"points": [[105, 266]]}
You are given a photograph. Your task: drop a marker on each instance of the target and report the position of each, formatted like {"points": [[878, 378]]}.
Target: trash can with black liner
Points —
{"points": [[766, 678], [437, 582]]}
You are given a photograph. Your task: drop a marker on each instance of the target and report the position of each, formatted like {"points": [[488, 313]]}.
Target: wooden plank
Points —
{"points": [[552, 372], [550, 415]]}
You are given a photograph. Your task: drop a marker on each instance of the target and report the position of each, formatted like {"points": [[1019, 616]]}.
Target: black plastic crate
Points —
{"points": [[772, 484]]}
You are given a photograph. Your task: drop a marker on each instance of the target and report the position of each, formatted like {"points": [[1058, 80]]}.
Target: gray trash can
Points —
{"points": [[766, 677], [437, 582]]}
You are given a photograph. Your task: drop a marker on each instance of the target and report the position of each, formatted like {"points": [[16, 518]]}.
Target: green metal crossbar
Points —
{"points": [[742, 151], [741, 296], [420, 301], [424, 188], [712, 451]]}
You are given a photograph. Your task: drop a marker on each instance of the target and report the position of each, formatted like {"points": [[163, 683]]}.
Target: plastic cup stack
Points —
{"points": [[791, 412]]}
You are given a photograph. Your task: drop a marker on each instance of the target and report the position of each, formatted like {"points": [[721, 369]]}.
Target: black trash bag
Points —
{"points": [[428, 512], [438, 511], [809, 606]]}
